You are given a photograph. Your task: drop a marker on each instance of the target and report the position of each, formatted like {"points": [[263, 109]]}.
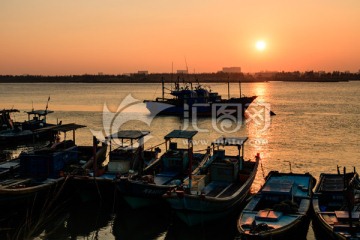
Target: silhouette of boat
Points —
{"points": [[187, 101], [93, 181], [41, 172], [15, 133]]}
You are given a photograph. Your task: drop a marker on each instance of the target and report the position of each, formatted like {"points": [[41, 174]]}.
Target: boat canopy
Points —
{"points": [[230, 141], [181, 134], [40, 112], [9, 110], [128, 134], [61, 128]]}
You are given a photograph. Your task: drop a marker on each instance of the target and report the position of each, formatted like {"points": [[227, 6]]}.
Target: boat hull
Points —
{"points": [[174, 108], [37, 194], [195, 209], [333, 196], [138, 194], [297, 230]]}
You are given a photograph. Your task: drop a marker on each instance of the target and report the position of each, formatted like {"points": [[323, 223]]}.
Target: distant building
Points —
{"points": [[231, 69], [143, 72], [267, 75], [182, 71]]}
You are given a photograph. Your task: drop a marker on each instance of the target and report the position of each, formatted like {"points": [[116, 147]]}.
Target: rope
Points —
{"points": [[150, 148], [156, 91], [262, 168], [200, 150]]}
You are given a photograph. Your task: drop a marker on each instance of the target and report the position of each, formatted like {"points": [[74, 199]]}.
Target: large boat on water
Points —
{"points": [[199, 101]]}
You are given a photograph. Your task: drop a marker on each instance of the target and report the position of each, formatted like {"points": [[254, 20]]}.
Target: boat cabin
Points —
{"points": [[48, 162], [331, 191], [36, 119], [176, 161], [226, 167], [129, 153]]}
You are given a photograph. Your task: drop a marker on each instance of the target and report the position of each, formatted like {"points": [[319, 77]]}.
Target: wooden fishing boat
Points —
{"points": [[98, 179], [15, 133], [221, 187], [175, 165], [41, 174], [336, 205], [280, 210]]}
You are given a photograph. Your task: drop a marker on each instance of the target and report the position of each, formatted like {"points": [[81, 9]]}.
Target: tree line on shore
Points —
{"points": [[309, 76]]}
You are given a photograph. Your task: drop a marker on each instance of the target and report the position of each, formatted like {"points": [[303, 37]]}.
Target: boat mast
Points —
{"points": [[94, 156], [163, 87], [228, 88], [190, 154], [240, 87], [141, 155]]}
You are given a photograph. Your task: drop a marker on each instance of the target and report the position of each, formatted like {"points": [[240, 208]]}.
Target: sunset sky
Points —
{"points": [[65, 37]]}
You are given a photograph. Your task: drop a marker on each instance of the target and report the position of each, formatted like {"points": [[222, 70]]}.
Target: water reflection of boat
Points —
{"points": [[199, 101], [85, 221], [149, 223], [224, 229], [15, 133]]}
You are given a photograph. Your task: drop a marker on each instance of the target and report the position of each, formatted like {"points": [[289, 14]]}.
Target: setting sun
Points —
{"points": [[260, 45]]}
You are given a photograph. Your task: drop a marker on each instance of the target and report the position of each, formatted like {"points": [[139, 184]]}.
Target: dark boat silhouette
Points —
{"points": [[189, 101]]}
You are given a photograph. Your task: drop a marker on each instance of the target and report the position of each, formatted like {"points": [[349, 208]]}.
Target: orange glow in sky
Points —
{"points": [[114, 37]]}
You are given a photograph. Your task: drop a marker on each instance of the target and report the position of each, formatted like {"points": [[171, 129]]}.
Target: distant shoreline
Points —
{"points": [[193, 78]]}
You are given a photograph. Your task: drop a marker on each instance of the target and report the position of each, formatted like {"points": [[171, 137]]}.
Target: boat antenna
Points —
{"points": [[289, 165], [163, 88], [172, 73], [32, 105], [47, 104], [228, 87], [240, 87]]}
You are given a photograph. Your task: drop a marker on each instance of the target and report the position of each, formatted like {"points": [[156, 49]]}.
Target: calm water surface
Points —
{"points": [[315, 129]]}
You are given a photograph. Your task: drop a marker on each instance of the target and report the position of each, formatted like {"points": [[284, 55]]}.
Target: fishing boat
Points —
{"points": [[175, 165], [336, 205], [197, 102], [22, 132], [220, 189], [280, 210], [41, 174], [126, 154]]}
